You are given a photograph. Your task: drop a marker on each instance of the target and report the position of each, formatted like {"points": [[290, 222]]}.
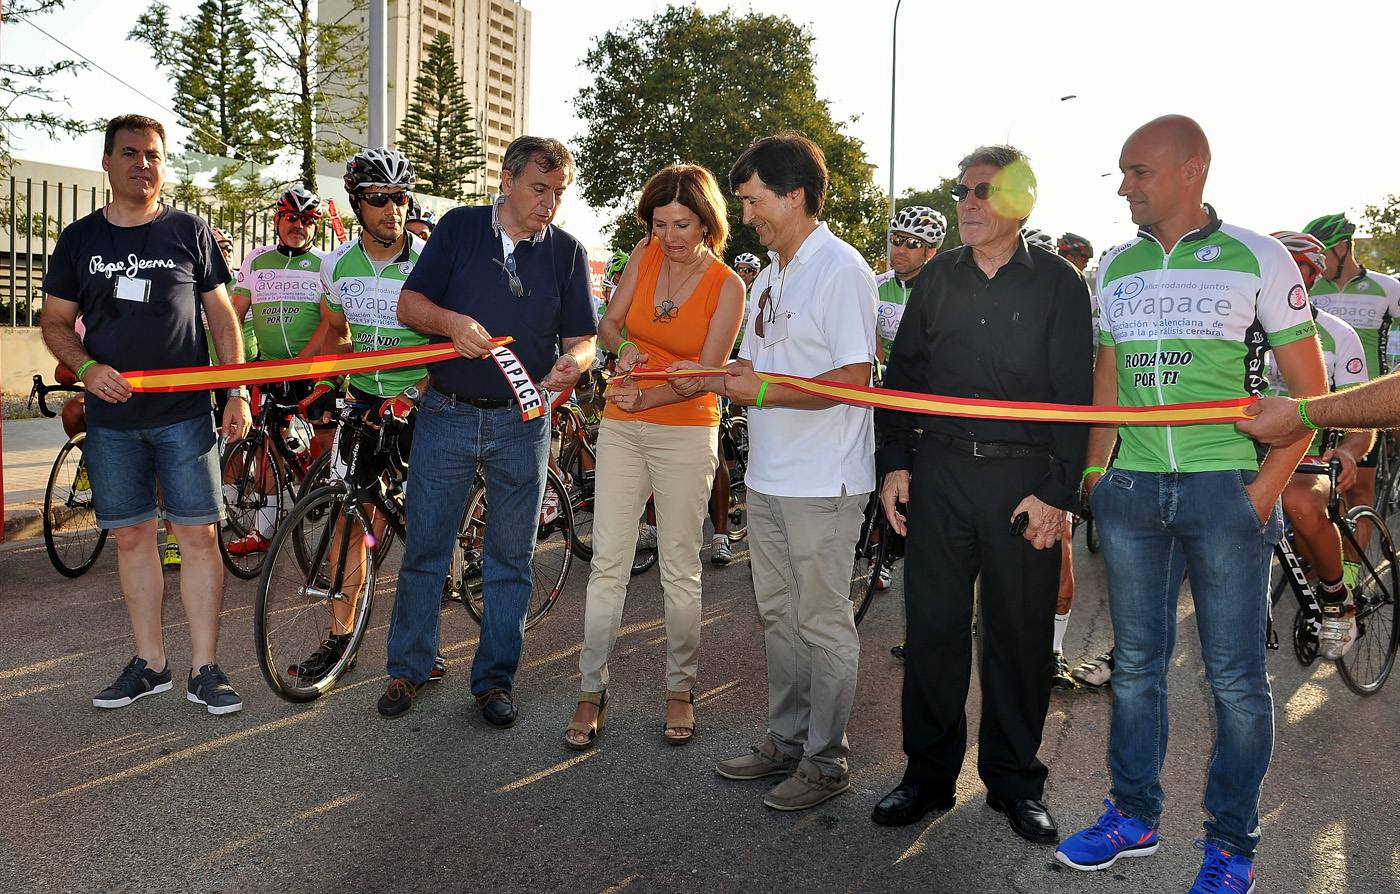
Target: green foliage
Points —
{"points": [[687, 86], [940, 199], [25, 90], [315, 79], [1382, 250], [438, 133], [217, 90]]}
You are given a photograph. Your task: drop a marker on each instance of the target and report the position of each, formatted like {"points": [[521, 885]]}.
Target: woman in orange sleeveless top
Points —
{"points": [[677, 301]]}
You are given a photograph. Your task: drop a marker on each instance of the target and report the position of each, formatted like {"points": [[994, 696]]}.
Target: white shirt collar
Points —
{"points": [[816, 240], [500, 230]]}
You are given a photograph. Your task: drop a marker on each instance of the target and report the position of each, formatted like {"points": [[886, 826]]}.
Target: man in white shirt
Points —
{"points": [[811, 466]]}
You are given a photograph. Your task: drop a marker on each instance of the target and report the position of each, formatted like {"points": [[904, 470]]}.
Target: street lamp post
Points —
{"points": [[894, 52], [378, 80]]}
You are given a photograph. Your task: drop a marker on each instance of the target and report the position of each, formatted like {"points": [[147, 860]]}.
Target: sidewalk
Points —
{"points": [[30, 448]]}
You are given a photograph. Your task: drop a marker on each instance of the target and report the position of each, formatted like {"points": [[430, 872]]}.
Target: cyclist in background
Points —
{"points": [[1370, 302], [612, 276], [1305, 497], [747, 266], [419, 221], [915, 236], [282, 284]]}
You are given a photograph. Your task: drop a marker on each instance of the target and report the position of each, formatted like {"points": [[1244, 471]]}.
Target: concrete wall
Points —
{"points": [[22, 354]]}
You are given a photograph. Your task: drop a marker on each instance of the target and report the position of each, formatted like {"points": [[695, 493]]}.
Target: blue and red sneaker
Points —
{"points": [[1115, 835], [1223, 872]]}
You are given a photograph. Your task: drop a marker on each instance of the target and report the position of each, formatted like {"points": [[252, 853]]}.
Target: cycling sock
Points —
{"points": [[266, 521], [1332, 591], [1061, 625]]}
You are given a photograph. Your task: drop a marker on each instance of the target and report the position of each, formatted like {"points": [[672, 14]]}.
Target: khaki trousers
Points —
{"points": [[801, 550], [636, 460]]}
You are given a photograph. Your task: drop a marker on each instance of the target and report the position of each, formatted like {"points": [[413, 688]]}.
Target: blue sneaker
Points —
{"points": [[1114, 835], [1223, 872]]}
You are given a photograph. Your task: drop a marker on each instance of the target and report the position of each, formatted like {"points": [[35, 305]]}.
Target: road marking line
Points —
{"points": [[536, 777]]}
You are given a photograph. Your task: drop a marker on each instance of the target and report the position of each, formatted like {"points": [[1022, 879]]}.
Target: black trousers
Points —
{"points": [[959, 523]]}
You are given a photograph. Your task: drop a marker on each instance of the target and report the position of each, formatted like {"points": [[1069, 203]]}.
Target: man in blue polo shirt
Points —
{"points": [[490, 271]]}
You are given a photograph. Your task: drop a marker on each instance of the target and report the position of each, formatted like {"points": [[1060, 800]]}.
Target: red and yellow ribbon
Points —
{"points": [[230, 375], [972, 408]]}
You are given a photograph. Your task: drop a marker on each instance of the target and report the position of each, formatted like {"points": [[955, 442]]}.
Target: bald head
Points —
{"points": [[1164, 165], [1174, 137]]}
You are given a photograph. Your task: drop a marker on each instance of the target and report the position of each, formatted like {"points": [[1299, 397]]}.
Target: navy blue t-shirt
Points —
{"points": [[460, 270], [175, 253]]}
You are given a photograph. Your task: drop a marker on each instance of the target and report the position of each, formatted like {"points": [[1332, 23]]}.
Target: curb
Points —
{"points": [[23, 522]]}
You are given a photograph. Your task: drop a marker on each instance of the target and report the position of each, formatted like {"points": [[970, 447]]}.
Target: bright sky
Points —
{"points": [[1296, 98]]}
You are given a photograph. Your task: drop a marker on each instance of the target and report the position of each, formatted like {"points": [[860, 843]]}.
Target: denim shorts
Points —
{"points": [[125, 463]]}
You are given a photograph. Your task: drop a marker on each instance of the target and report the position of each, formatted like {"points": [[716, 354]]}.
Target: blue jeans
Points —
{"points": [[1156, 529], [124, 465], [449, 440]]}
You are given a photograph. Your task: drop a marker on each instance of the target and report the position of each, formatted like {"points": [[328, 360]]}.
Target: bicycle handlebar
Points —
{"points": [[42, 392]]}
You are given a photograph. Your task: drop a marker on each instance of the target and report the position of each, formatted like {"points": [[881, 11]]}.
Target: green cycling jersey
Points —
{"points": [[286, 294], [1370, 303], [366, 293]]}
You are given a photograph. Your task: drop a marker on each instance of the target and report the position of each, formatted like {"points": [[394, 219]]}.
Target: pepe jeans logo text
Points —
{"points": [[130, 267]]}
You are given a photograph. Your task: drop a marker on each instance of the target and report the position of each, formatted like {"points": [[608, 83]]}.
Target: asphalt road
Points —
{"points": [[331, 797]]}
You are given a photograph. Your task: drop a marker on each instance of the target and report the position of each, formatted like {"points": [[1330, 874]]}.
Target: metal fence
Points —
{"points": [[35, 211]]}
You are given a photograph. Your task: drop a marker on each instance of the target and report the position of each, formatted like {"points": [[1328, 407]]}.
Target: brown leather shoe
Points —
{"points": [[397, 698]]}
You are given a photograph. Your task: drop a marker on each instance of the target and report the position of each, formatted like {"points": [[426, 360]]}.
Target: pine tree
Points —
{"points": [[438, 133], [27, 91], [217, 91]]}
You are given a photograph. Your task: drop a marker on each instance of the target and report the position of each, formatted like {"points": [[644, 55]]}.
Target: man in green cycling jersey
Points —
{"points": [[1188, 309], [915, 236], [1369, 302], [282, 285], [361, 282]]}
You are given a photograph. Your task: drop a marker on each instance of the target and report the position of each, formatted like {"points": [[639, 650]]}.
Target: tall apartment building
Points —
{"points": [[491, 39]]}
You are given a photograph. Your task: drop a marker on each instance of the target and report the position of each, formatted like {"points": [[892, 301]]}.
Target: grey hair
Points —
{"points": [[1001, 155], [549, 154]]}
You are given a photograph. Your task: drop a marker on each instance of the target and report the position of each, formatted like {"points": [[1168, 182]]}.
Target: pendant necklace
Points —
{"points": [[668, 310]]}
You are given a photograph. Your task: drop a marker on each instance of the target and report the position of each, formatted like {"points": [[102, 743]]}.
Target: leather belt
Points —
{"points": [[481, 403], [988, 449]]}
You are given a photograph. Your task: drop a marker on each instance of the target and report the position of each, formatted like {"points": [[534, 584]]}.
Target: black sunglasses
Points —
{"points": [[380, 199], [902, 241], [981, 191]]}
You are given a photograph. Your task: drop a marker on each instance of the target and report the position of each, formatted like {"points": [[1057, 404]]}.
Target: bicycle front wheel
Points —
{"points": [[303, 599], [71, 534], [734, 450], [871, 550], [255, 499], [553, 552], [1367, 665]]}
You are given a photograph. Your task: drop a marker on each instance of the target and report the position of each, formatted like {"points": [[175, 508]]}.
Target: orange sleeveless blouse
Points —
{"points": [[680, 338]]}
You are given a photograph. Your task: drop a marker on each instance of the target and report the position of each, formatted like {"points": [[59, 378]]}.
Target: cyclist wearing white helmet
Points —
{"points": [[419, 221], [1038, 238], [747, 266], [915, 236]]}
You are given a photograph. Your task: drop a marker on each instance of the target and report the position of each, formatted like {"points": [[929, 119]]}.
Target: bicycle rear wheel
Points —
{"points": [[549, 568], [871, 550], [249, 467], [734, 450], [71, 535], [1367, 665], [298, 597]]}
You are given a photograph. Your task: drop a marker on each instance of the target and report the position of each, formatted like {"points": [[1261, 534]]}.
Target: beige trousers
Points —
{"points": [[801, 551], [636, 460]]}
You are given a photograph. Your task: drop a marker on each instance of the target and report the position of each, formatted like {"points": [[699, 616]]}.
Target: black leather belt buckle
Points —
{"points": [[481, 403]]}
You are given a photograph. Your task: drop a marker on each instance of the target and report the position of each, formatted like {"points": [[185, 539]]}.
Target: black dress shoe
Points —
{"points": [[498, 708], [909, 803], [1029, 818]]}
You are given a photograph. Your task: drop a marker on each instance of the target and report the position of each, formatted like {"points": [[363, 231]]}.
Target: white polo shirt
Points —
{"points": [[821, 311]]}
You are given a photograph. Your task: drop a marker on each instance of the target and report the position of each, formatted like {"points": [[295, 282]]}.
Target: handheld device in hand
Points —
{"points": [[1020, 523]]}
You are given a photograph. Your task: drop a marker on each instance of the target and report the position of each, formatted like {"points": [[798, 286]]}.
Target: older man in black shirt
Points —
{"points": [[995, 319]]}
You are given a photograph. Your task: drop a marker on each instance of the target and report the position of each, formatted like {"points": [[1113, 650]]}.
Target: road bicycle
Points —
{"points": [[1367, 665], [318, 578], [72, 537], [872, 553]]}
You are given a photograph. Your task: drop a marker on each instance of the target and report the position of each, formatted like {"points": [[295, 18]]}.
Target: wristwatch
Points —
{"points": [[411, 392], [240, 391]]}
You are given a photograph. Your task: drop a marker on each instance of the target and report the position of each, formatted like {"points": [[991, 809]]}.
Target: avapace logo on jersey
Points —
{"points": [[1138, 309], [367, 306]]}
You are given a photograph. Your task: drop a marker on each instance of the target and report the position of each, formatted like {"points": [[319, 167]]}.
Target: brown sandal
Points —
{"points": [[685, 726], [591, 730]]}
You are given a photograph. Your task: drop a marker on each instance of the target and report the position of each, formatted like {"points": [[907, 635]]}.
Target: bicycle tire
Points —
{"points": [[549, 567], [580, 484], [1368, 663], [289, 592], [72, 536], [870, 554], [736, 453], [241, 516], [1091, 535]]}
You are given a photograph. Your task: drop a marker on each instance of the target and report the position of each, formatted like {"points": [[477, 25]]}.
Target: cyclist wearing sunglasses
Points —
{"points": [[281, 283], [916, 233]]}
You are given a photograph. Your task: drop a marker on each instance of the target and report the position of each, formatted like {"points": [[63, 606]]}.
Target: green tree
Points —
{"points": [[684, 85], [940, 199], [316, 76], [1382, 250], [26, 89], [214, 62], [438, 132]]}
